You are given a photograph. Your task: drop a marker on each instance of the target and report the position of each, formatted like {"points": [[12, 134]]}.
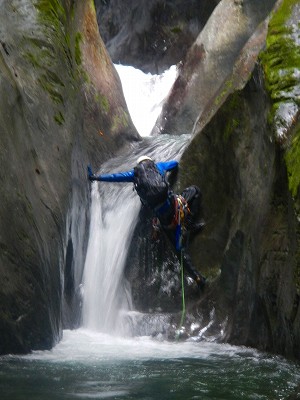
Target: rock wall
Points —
{"points": [[209, 61], [241, 161], [61, 107], [151, 35], [244, 155]]}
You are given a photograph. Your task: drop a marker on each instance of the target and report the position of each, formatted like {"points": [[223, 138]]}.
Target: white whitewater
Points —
{"points": [[114, 212], [115, 208], [145, 94]]}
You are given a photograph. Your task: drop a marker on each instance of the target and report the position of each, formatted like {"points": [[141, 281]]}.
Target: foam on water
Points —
{"points": [[87, 364], [90, 346]]}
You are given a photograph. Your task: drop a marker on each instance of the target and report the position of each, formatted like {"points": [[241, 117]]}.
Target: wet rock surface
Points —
{"points": [[249, 249], [151, 35], [56, 115]]}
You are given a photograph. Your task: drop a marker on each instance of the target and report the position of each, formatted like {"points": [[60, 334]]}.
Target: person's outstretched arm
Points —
{"points": [[126, 176], [167, 165]]}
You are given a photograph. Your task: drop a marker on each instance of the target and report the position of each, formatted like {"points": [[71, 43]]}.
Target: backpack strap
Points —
{"points": [[161, 208]]}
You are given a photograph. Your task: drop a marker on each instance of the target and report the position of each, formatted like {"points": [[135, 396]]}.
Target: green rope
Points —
{"points": [[183, 297]]}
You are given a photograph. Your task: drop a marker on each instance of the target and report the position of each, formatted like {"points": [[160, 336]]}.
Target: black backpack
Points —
{"points": [[150, 184]]}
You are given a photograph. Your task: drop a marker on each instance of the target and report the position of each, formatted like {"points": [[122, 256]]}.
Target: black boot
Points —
{"points": [[201, 281], [195, 227]]}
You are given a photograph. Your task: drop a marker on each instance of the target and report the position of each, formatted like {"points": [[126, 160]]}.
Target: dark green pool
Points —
{"points": [[88, 365]]}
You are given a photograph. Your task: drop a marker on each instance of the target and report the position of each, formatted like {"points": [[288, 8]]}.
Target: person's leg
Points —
{"points": [[193, 196], [189, 268], [186, 259]]}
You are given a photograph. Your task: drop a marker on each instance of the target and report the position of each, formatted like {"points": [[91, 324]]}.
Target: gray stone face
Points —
{"points": [[54, 120], [249, 249], [252, 234], [151, 35], [209, 61]]}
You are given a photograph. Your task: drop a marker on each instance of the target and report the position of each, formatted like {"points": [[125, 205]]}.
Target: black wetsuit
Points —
{"points": [[165, 212]]}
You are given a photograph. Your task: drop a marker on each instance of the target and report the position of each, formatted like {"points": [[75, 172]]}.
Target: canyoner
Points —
{"points": [[175, 215]]}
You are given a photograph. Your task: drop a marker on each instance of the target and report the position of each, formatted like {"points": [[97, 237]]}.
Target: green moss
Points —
{"points": [[56, 54], [283, 13], [33, 59], [292, 158], [120, 120], [55, 96], [230, 127], [40, 54], [62, 47], [78, 39], [52, 84], [93, 6], [297, 274], [231, 109], [176, 29], [51, 11], [227, 87], [59, 118], [280, 60], [103, 102]]}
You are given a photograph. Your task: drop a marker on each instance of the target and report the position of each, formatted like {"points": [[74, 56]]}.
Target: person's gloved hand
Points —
{"points": [[91, 176]]}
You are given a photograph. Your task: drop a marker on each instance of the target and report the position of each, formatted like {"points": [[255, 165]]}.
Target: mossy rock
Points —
{"points": [[281, 61]]}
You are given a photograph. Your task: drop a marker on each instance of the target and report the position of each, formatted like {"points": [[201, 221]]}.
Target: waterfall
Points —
{"points": [[114, 213], [145, 94]]}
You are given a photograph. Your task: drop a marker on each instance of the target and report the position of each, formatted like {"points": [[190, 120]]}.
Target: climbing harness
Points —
{"points": [[181, 210]]}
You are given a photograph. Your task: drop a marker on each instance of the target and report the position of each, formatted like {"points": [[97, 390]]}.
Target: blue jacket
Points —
{"points": [[128, 176]]}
